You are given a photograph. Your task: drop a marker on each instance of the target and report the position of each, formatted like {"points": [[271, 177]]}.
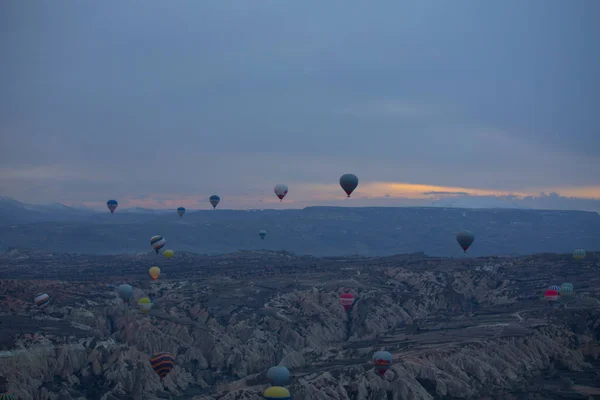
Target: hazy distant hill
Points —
{"points": [[318, 231]]}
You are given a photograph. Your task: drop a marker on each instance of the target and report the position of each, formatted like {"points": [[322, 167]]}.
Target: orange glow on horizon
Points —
{"points": [[303, 194]]}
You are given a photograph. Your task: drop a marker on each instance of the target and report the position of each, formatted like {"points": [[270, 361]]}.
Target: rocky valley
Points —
{"points": [[458, 328]]}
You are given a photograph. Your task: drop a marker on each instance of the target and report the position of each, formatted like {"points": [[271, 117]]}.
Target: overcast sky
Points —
{"points": [[159, 103]]}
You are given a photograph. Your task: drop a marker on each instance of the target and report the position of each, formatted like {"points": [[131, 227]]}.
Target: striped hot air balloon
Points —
{"points": [[157, 242], [346, 300], [7, 396], [566, 289], [555, 287], [162, 363], [42, 300], [383, 361], [551, 295], [579, 254]]}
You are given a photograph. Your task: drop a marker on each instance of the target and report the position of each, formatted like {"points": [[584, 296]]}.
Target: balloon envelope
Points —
{"points": [[169, 253], [348, 182], [280, 190], [214, 200], [554, 287], [277, 393], [551, 295], [112, 205], [346, 300], [181, 211], [262, 234], [465, 239], [154, 272], [145, 304], [383, 361], [278, 376], [125, 292], [7, 396], [42, 300], [579, 254], [566, 289], [157, 242], [162, 363]]}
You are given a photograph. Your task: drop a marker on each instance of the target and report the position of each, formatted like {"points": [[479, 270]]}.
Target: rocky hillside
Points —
{"points": [[457, 329], [319, 231]]}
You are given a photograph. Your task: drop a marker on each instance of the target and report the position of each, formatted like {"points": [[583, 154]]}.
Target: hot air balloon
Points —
{"points": [[566, 289], [181, 211], [277, 393], [383, 361], [262, 233], [145, 305], [7, 396], [125, 292], [169, 253], [579, 254], [157, 242], [554, 287], [112, 205], [280, 190], [346, 299], [214, 200], [465, 239], [278, 376], [42, 300], [162, 363], [154, 272], [348, 182], [551, 295]]}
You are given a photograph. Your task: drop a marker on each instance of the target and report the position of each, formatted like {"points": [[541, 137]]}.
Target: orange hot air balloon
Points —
{"points": [[347, 299], [154, 272]]}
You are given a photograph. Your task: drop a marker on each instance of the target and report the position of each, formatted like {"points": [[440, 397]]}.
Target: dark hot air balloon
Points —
{"points": [[465, 239], [162, 363], [278, 376], [348, 182], [214, 200], [181, 211], [262, 234], [112, 205]]}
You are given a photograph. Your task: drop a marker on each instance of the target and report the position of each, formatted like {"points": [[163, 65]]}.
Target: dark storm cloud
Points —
{"points": [[118, 98]]}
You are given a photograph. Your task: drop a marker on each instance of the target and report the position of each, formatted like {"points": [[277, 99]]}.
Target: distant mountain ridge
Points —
{"points": [[318, 231]]}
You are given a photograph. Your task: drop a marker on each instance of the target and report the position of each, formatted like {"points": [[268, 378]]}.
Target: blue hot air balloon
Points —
{"points": [[112, 205], [278, 376], [181, 211], [214, 200]]}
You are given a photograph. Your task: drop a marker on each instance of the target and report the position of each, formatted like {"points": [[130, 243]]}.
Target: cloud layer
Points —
{"points": [[176, 102]]}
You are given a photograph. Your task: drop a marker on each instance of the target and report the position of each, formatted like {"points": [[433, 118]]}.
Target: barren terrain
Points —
{"points": [[464, 328]]}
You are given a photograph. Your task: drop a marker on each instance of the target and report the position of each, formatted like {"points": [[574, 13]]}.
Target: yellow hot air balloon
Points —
{"points": [[277, 393], [145, 305], [169, 253], [154, 272]]}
